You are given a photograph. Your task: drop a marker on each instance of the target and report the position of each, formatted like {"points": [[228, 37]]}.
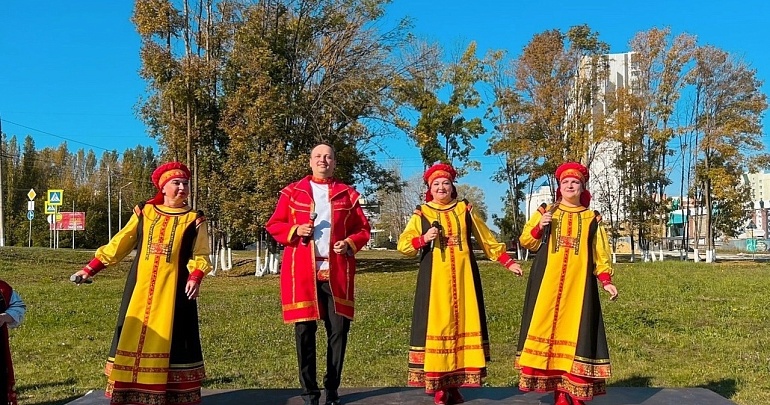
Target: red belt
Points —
{"points": [[322, 275]]}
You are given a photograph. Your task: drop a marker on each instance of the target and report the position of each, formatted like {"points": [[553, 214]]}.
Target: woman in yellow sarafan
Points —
{"points": [[449, 344], [156, 357], [562, 344]]}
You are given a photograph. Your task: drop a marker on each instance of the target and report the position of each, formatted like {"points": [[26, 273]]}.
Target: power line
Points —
{"points": [[57, 136]]}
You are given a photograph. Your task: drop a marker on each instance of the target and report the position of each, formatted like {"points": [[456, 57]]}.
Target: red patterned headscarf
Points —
{"points": [[576, 171], [165, 173], [439, 170]]}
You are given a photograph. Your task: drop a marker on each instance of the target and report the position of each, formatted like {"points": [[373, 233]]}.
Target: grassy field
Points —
{"points": [[674, 325]]}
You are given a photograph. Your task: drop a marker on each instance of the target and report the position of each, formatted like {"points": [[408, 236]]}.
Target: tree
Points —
{"points": [[728, 111], [475, 196], [442, 132]]}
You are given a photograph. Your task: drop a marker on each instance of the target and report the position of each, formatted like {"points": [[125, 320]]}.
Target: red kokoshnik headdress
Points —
{"points": [[439, 170], [576, 171], [165, 173]]}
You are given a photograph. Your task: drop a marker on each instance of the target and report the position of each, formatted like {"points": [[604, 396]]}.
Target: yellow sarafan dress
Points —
{"points": [[449, 344], [156, 357], [562, 343]]}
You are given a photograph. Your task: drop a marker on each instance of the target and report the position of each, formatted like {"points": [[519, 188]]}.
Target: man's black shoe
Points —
{"points": [[332, 398], [311, 401]]}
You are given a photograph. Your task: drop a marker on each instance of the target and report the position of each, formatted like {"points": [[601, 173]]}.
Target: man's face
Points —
{"points": [[322, 161]]}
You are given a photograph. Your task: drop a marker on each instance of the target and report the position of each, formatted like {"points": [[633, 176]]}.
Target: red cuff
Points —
{"points": [[196, 275], [536, 232], [418, 242], [94, 266], [605, 278], [506, 260]]}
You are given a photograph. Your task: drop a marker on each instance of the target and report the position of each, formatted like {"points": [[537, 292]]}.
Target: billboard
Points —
{"points": [[67, 221]]}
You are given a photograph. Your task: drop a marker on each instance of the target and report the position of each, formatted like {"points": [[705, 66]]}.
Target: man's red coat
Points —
{"points": [[299, 297]]}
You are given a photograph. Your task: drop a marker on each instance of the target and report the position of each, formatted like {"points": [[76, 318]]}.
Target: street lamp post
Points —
{"points": [[763, 218], [120, 204]]}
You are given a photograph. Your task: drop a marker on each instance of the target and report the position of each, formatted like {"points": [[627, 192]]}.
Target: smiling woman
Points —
{"points": [[449, 345], [562, 344], [156, 354]]}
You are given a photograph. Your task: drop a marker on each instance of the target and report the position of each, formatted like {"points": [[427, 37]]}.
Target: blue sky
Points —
{"points": [[68, 70]]}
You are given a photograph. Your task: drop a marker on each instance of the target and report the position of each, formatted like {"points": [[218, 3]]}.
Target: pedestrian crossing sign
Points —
{"points": [[55, 197], [49, 208]]}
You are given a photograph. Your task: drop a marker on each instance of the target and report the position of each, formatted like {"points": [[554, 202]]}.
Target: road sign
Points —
{"points": [[30, 215], [50, 208], [30, 205], [751, 245], [31, 194], [55, 197]]}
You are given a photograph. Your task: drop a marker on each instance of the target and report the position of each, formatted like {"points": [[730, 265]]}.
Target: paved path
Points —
{"points": [[411, 396]]}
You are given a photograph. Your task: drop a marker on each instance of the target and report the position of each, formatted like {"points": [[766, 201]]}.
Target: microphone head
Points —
{"points": [[435, 224], [313, 216]]}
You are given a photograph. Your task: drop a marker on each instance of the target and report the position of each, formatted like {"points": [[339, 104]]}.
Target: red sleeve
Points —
{"points": [[418, 242], [279, 225], [358, 231], [94, 266], [196, 276], [604, 278], [537, 232], [505, 260]]}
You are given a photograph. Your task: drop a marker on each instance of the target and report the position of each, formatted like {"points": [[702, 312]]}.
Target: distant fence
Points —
{"points": [[748, 245]]}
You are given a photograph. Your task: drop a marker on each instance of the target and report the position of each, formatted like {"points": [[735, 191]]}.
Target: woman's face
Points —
{"points": [[571, 188], [441, 189], [175, 192]]}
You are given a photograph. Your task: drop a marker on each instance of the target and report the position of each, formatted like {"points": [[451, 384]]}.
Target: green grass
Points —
{"points": [[674, 325]]}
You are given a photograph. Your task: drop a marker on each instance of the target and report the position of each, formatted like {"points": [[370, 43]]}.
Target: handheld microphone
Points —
{"points": [[306, 238], [78, 279], [547, 228], [436, 225]]}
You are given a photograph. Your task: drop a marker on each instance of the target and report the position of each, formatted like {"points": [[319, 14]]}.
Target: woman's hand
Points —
{"points": [[515, 268], [610, 288], [546, 219], [192, 289], [431, 234], [83, 277]]}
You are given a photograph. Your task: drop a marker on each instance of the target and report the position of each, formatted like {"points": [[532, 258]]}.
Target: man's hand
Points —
{"points": [[304, 230], [340, 247]]}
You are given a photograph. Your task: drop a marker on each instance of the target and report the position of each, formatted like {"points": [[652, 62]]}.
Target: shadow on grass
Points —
{"points": [[633, 381], [58, 401], [22, 388], [386, 265], [727, 387]]}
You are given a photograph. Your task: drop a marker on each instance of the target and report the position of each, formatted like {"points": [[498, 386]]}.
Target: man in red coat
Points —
{"points": [[321, 224]]}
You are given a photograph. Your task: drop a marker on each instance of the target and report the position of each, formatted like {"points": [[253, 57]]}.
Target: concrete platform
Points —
{"points": [[480, 396]]}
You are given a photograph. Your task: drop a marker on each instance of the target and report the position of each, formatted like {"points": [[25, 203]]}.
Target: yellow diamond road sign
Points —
{"points": [[31, 194]]}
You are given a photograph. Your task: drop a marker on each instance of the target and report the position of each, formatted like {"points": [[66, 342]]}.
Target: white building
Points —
{"points": [[604, 179], [759, 183], [542, 195]]}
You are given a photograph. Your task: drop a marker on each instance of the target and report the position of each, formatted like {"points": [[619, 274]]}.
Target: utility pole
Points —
{"points": [[2, 212], [120, 204], [109, 211]]}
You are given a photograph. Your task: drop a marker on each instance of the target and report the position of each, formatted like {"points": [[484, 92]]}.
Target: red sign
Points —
{"points": [[69, 221]]}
